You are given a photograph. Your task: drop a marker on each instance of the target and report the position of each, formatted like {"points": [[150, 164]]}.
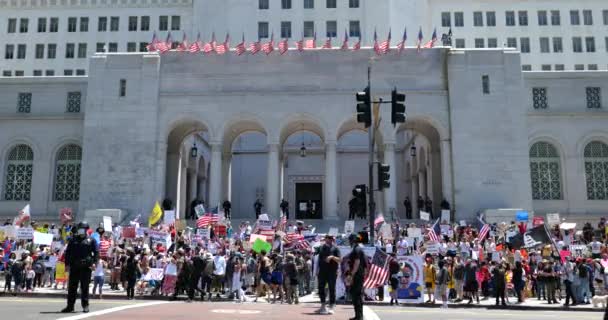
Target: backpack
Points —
{"points": [[38, 267], [582, 271]]}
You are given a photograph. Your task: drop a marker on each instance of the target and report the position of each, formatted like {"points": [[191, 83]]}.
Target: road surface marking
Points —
{"points": [[369, 314], [116, 309], [36, 300], [233, 311]]}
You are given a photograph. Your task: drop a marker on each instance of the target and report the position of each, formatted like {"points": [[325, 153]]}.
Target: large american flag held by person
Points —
{"points": [[434, 232], [296, 241], [378, 271], [379, 220], [484, 229], [208, 219]]}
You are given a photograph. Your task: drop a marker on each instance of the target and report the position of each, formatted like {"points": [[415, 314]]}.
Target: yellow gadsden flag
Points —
{"points": [[156, 214]]}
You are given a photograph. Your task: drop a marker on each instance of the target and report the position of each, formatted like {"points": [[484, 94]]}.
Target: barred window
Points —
{"points": [[539, 98], [24, 102], [73, 103], [18, 176], [596, 170], [545, 172], [594, 99], [67, 174]]}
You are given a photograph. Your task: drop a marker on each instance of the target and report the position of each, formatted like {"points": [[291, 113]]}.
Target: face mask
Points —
{"points": [[82, 232]]}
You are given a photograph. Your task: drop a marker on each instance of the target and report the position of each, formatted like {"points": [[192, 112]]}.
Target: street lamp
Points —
{"points": [[303, 151], [194, 151], [413, 150]]}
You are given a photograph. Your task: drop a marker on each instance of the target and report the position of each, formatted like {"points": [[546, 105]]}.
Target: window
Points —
{"points": [[114, 23], [485, 84], [39, 51], [309, 4], [459, 43], [113, 47], [100, 47], [9, 51], [491, 19], [579, 67], [51, 51], [575, 18], [176, 22], [512, 43], [72, 24], [542, 18], [587, 17], [6, 73], [592, 67], [577, 44], [54, 27], [37, 73], [67, 171], [478, 19], [41, 24], [285, 29], [545, 67], [331, 4], [18, 178], [524, 44], [163, 23], [309, 29], [132, 23], [605, 16], [523, 18], [49, 73], [544, 45], [82, 50], [263, 4], [355, 30], [122, 91], [510, 18], [492, 43], [84, 24], [459, 19], [545, 172], [556, 19], [539, 98], [143, 47], [144, 23], [331, 28], [23, 25], [68, 72], [285, 4], [102, 24], [590, 44], [557, 44], [596, 170], [262, 30], [559, 67], [24, 102], [12, 25], [131, 46], [21, 51], [479, 43], [69, 51], [80, 72], [19, 73], [446, 19], [594, 97]]}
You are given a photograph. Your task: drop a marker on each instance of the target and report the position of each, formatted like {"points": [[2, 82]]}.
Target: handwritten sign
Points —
{"points": [[333, 232], [553, 219], [445, 216], [349, 226], [432, 248], [204, 233], [386, 231], [169, 217], [200, 210], [25, 234], [425, 216], [42, 238], [154, 274], [128, 232], [107, 223]]}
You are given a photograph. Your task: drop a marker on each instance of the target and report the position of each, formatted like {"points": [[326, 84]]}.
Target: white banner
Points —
{"points": [[333, 232], [425, 216], [25, 233], [154, 274], [553, 219], [349, 226], [169, 217], [43, 238], [107, 223], [445, 216], [204, 233]]}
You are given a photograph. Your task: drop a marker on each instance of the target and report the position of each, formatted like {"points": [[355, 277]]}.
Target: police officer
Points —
{"points": [[355, 274], [80, 258]]}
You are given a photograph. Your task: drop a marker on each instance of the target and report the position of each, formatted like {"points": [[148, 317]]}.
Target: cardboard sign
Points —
{"points": [[159, 236], [25, 233], [333, 232], [445, 229], [432, 247], [169, 217], [43, 238], [128, 232], [414, 232], [200, 210], [553, 219], [425, 216], [349, 226], [445, 216], [264, 224], [537, 220], [204, 233], [107, 223], [154, 274], [463, 223]]}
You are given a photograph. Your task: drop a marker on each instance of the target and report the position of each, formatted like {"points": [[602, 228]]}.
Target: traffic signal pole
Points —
{"points": [[370, 131]]}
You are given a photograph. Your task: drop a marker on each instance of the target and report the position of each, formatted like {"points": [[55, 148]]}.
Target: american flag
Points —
{"points": [[431, 43], [378, 271], [357, 45], [435, 232], [268, 47], [165, 46], [269, 234], [379, 220], [152, 46], [208, 219], [224, 46], [327, 44], [376, 46], [300, 45], [401, 44], [419, 42], [183, 46], [283, 223], [283, 46], [240, 48], [345, 42], [255, 47], [196, 45], [210, 46], [311, 43], [296, 241], [484, 229], [385, 46]]}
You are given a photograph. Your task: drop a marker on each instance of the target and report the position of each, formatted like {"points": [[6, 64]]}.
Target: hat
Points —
{"points": [[329, 236]]}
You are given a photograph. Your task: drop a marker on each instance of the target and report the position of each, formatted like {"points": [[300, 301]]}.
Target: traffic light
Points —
{"points": [[383, 176], [397, 107], [364, 107]]}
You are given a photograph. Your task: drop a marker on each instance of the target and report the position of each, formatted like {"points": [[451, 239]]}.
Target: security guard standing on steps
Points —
{"points": [[81, 255]]}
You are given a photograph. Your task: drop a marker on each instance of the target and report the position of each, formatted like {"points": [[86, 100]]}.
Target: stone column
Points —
{"points": [[172, 177], [272, 181], [226, 159], [331, 182], [193, 188], [182, 204], [215, 176], [446, 172], [390, 193]]}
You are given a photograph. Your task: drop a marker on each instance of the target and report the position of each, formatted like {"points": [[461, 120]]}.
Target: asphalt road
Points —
{"points": [[400, 313], [48, 309]]}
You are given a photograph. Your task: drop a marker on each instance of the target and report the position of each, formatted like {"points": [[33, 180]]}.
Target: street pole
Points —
{"points": [[372, 204]]}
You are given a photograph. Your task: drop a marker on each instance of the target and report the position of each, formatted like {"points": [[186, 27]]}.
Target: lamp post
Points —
{"points": [[194, 151], [413, 151]]}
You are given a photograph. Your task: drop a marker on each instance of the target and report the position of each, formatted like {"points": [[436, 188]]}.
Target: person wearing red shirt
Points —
{"points": [[485, 279]]}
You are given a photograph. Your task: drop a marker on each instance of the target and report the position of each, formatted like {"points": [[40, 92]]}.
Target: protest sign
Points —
{"points": [[553, 219], [154, 274], [264, 224], [445, 216], [260, 245], [10, 231], [349, 226], [200, 210], [263, 217], [169, 217], [521, 216], [386, 231], [538, 220], [425, 216], [128, 232], [333, 232], [204, 233], [410, 289], [60, 274], [445, 229], [579, 250], [160, 237], [43, 238], [254, 237], [107, 223], [25, 233], [463, 223], [414, 233], [432, 247]]}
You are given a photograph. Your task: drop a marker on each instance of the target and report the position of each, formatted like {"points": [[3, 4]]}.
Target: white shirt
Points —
{"points": [[99, 270], [389, 247], [402, 247], [596, 247], [220, 265], [464, 247]]}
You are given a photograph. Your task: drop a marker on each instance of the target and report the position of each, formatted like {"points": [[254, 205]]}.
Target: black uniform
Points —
{"points": [[80, 255], [285, 208], [408, 208], [257, 206], [356, 289], [227, 207]]}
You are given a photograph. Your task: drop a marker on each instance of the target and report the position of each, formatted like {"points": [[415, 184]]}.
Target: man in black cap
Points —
{"points": [[328, 262], [81, 256], [356, 273]]}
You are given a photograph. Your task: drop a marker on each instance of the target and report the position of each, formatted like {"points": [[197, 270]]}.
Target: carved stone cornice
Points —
{"points": [[77, 4]]}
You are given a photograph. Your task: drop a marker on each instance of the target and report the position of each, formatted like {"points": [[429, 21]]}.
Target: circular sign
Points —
{"points": [[235, 311]]}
